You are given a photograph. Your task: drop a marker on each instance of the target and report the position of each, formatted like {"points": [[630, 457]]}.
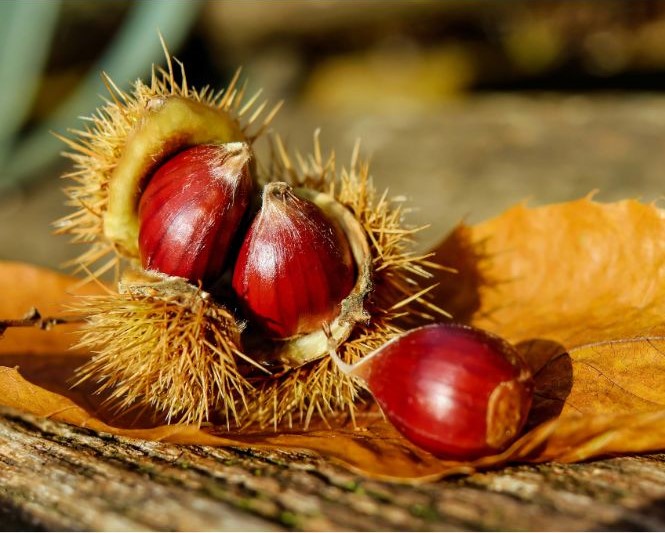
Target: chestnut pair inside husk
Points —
{"points": [[302, 261], [196, 327]]}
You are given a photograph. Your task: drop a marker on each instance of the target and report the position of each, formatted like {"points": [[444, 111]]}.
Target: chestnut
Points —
{"points": [[295, 265], [191, 209], [453, 390]]}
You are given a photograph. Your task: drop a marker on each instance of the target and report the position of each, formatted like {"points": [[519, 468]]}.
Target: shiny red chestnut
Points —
{"points": [[455, 391], [294, 267], [191, 209]]}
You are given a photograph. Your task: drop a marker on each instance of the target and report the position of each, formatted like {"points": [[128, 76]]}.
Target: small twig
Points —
{"points": [[34, 319]]}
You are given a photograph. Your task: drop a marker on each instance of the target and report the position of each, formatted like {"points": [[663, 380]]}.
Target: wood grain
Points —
{"points": [[56, 477]]}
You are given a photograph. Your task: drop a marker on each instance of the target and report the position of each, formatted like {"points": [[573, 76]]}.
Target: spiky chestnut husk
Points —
{"points": [[167, 345], [108, 190]]}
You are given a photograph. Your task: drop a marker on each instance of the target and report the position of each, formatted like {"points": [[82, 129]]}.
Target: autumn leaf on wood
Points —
{"points": [[576, 286]]}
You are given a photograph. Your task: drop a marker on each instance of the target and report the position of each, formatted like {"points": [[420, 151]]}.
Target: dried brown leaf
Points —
{"points": [[25, 287], [578, 287]]}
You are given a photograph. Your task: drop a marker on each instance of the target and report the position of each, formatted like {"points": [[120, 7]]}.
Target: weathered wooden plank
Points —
{"points": [[54, 476]]}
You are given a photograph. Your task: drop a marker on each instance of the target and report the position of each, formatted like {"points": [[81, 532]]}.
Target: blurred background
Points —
{"points": [[464, 107]]}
